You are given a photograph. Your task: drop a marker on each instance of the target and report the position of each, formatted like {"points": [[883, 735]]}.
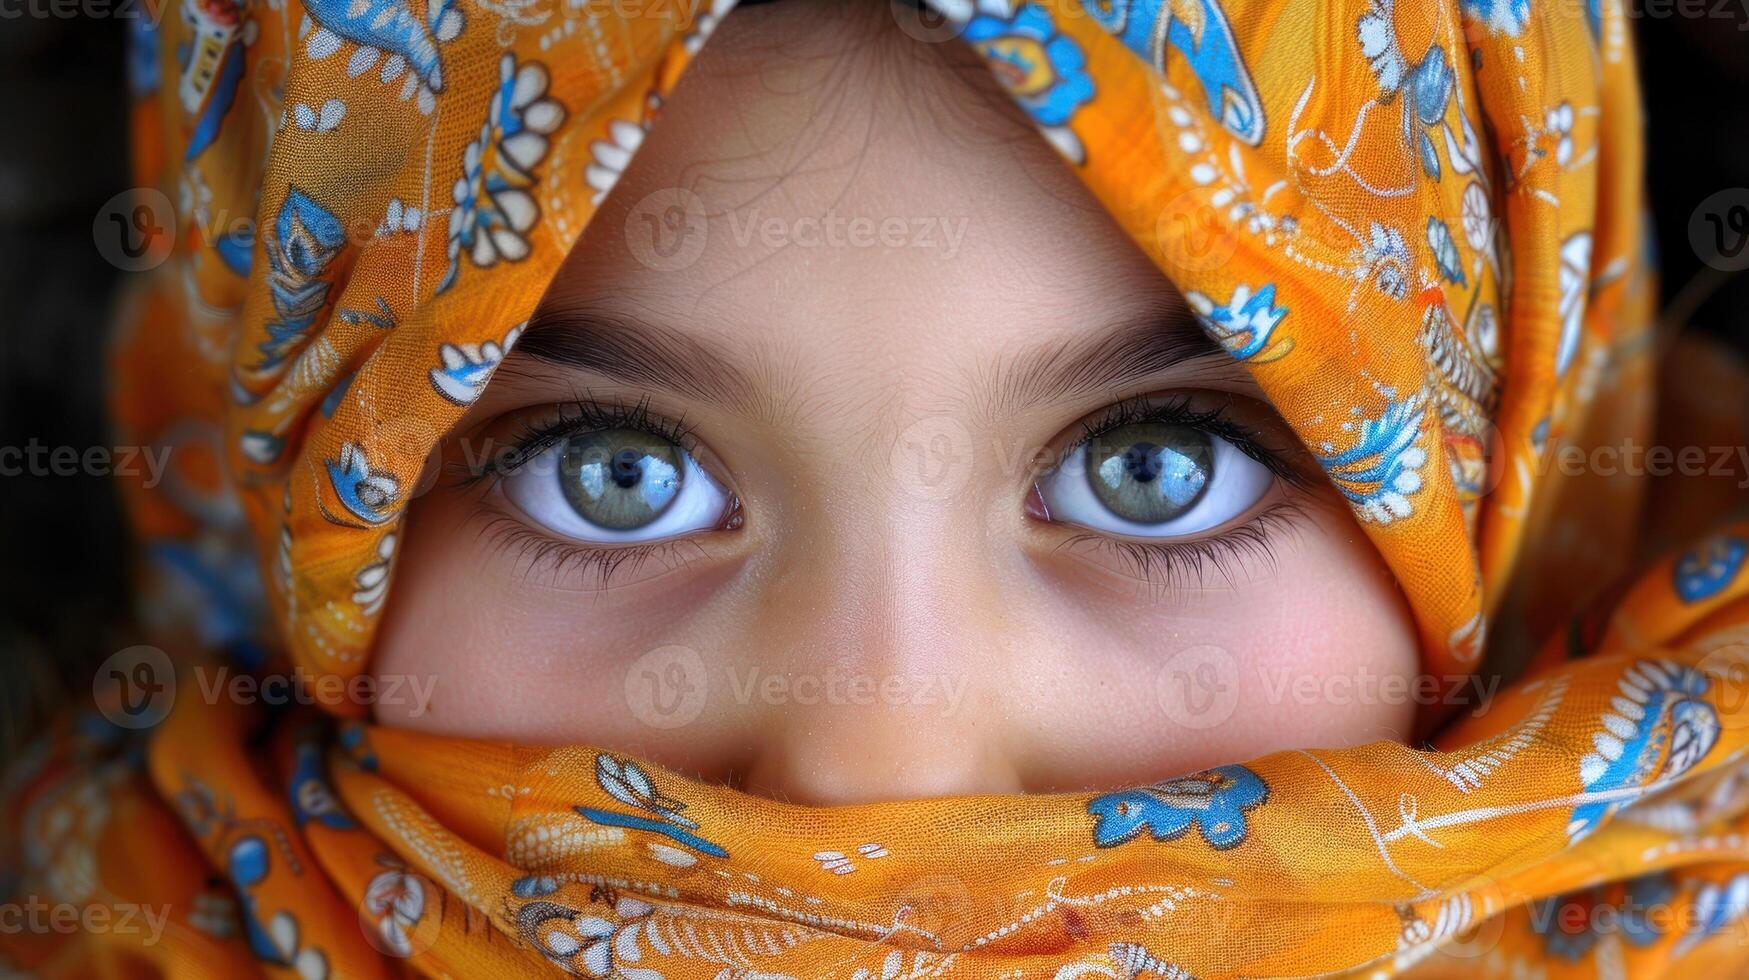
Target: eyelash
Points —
{"points": [[1165, 565], [508, 534], [1177, 410], [1171, 565], [532, 439]]}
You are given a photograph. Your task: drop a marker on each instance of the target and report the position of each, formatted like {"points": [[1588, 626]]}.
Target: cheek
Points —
{"points": [[510, 654], [1317, 650]]}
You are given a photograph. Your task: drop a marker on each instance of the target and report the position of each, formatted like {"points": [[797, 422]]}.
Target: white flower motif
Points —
{"points": [[396, 899], [1377, 31], [494, 210], [707, 22], [1387, 255], [1559, 122], [309, 963], [371, 583], [1477, 217], [1574, 277], [611, 155]]}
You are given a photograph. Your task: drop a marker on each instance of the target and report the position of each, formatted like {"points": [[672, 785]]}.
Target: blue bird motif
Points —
{"points": [[1659, 728], [1382, 469], [1214, 800], [368, 496], [311, 797], [464, 368], [247, 864], [306, 238], [1244, 324], [627, 782], [1200, 32], [1705, 571]]}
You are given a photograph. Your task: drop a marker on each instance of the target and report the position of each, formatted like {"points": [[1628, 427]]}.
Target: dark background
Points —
{"points": [[63, 603]]}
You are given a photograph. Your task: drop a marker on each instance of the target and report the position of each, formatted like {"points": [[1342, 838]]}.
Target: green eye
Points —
{"points": [[620, 479], [1149, 472]]}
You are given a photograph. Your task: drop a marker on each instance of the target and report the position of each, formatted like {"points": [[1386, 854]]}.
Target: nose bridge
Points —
{"points": [[891, 688]]}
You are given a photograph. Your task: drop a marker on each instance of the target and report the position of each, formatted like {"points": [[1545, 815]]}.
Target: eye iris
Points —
{"points": [[620, 479], [1149, 472]]}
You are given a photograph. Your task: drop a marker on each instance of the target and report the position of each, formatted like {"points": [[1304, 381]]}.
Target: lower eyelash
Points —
{"points": [[1168, 567], [565, 560]]}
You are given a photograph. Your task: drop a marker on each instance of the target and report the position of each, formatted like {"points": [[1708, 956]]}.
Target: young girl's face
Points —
{"points": [[856, 454]]}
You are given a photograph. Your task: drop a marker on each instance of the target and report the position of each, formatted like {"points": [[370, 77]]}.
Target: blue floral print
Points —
{"points": [[1706, 571], [1046, 72], [1214, 801]]}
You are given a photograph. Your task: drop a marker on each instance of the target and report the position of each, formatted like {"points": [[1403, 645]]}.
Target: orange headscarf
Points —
{"points": [[1417, 223]]}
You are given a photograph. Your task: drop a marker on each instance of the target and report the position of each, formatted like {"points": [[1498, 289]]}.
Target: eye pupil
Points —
{"points": [[1150, 472], [1142, 462], [628, 468], [620, 479]]}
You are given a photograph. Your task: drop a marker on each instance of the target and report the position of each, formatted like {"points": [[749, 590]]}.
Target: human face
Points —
{"points": [[905, 474]]}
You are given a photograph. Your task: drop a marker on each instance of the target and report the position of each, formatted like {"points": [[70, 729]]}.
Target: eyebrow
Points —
{"points": [[1142, 345], [627, 348], [1119, 354]]}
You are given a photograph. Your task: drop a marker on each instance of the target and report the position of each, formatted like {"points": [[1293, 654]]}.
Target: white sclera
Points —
{"points": [[535, 488], [1236, 483]]}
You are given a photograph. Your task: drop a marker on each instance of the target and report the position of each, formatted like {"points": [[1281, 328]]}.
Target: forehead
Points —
{"points": [[825, 187]]}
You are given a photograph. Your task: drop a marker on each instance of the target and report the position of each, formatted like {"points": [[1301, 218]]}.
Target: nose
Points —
{"points": [[837, 754], [908, 701]]}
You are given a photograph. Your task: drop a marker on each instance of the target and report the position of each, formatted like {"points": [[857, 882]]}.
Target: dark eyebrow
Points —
{"points": [[1118, 354], [629, 349], [1102, 359]]}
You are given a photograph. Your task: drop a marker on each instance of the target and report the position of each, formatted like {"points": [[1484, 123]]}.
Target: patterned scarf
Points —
{"points": [[1418, 225]]}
